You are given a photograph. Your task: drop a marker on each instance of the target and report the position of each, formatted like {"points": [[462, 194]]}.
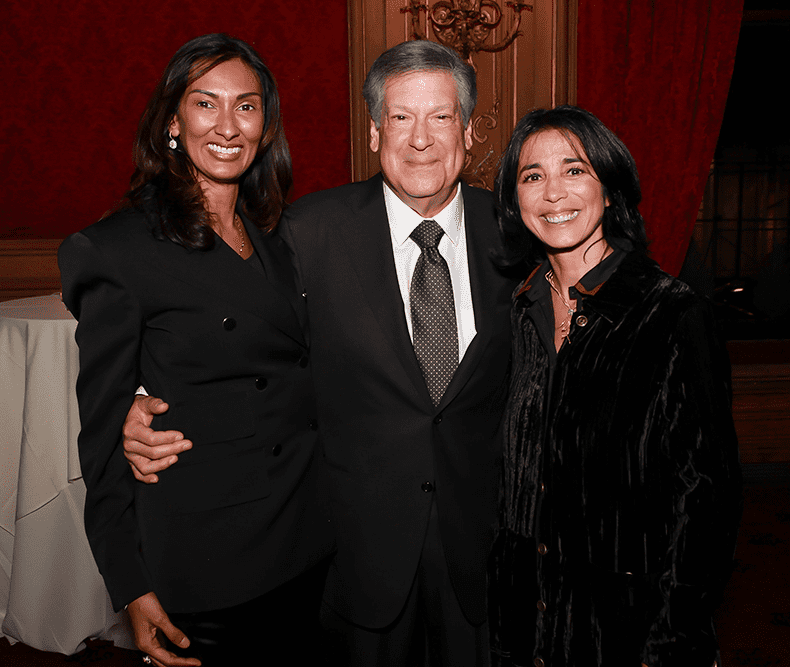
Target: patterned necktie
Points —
{"points": [[434, 328]]}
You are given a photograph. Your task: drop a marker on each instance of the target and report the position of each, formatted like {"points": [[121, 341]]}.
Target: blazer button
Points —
{"points": [[303, 361], [276, 450], [427, 487], [543, 549], [312, 424], [229, 324], [260, 384], [541, 605], [438, 419], [539, 662], [582, 320]]}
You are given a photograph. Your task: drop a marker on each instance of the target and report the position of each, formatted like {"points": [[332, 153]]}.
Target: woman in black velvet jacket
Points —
{"points": [[621, 488]]}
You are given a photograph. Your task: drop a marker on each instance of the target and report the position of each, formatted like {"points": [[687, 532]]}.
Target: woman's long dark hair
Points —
{"points": [[607, 155], [163, 183]]}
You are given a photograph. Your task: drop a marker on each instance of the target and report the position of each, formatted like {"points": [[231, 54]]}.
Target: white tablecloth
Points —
{"points": [[51, 594]]}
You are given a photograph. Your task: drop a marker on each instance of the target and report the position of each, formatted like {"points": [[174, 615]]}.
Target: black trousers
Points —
{"points": [[431, 629], [280, 627]]}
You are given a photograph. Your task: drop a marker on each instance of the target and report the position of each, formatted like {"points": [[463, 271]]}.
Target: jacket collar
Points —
{"points": [[368, 246], [627, 286], [482, 242]]}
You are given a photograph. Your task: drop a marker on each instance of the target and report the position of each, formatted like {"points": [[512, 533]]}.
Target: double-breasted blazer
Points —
{"points": [[389, 451], [225, 345]]}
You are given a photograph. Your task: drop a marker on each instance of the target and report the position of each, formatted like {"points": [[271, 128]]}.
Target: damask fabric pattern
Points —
{"points": [[90, 55], [433, 312]]}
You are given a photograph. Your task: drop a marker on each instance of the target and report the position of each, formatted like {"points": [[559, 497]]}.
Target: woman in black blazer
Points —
{"points": [[188, 291]]}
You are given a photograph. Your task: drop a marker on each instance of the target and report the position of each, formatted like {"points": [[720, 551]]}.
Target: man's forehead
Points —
{"points": [[437, 106], [415, 80]]}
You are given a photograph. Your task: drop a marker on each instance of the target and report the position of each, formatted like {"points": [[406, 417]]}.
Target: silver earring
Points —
{"points": [[172, 143]]}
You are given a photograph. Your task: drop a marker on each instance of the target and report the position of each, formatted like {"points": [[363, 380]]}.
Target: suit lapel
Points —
{"points": [[367, 240], [368, 244], [477, 218], [281, 276]]}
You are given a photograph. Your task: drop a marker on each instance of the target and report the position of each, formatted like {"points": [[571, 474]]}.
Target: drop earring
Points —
{"points": [[172, 143]]}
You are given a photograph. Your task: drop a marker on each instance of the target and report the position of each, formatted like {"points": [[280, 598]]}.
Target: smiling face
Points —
{"points": [[220, 122], [559, 194], [422, 139]]}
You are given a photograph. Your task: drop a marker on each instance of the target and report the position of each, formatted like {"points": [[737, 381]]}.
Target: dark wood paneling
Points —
{"points": [[28, 268]]}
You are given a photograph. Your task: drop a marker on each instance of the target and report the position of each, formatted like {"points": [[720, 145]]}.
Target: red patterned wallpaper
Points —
{"points": [[77, 76]]}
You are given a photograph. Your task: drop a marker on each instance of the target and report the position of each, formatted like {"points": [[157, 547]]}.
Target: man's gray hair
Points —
{"points": [[419, 56]]}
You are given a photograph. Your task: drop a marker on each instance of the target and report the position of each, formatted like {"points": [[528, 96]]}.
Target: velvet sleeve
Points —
{"points": [[701, 446], [108, 335]]}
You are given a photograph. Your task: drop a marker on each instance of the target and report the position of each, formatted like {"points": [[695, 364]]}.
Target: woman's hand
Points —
{"points": [[149, 451], [149, 623]]}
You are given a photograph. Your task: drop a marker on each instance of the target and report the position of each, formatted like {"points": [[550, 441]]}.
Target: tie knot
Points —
{"points": [[427, 234]]}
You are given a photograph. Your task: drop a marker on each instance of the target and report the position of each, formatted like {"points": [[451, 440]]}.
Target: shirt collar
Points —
{"points": [[536, 285], [403, 219], [594, 279]]}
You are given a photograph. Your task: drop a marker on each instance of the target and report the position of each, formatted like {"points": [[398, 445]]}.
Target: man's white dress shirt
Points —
{"points": [[403, 220]]}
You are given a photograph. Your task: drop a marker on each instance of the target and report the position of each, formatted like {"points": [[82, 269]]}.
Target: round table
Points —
{"points": [[51, 594]]}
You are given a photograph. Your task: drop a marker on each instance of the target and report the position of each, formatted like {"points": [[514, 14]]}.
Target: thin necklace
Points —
{"points": [[565, 325], [239, 229]]}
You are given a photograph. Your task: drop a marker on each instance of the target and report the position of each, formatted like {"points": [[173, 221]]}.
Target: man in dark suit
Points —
{"points": [[409, 336]]}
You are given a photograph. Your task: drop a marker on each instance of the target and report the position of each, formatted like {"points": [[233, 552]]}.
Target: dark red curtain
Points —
{"points": [[77, 76], [657, 73]]}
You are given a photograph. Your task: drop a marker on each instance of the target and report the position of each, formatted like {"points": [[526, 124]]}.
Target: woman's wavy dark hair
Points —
{"points": [[163, 183], [607, 155]]}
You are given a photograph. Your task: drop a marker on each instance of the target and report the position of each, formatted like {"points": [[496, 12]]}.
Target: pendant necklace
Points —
{"points": [[565, 325]]}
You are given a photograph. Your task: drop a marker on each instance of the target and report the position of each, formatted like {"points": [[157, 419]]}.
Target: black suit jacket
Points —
{"points": [[382, 436], [225, 346]]}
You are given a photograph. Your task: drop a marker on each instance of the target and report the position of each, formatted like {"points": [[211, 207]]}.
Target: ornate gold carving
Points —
{"points": [[465, 25], [481, 170], [490, 120]]}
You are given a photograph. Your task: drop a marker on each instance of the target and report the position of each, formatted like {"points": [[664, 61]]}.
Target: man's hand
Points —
{"points": [[149, 623], [150, 451]]}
